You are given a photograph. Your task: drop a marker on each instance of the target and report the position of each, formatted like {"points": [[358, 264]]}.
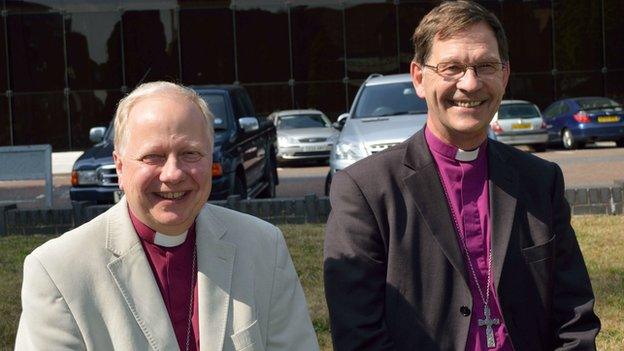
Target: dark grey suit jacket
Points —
{"points": [[395, 277]]}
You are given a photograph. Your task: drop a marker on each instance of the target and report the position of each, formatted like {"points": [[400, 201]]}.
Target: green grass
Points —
{"points": [[601, 239]]}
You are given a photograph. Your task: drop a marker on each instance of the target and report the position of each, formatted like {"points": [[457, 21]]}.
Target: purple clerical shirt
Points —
{"points": [[466, 184], [172, 268]]}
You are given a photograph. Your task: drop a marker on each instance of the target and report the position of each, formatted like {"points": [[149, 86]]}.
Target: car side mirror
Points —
{"points": [[342, 119], [96, 134], [249, 124]]}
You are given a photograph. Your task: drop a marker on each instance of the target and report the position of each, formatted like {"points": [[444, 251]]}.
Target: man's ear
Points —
{"points": [[118, 167], [417, 79]]}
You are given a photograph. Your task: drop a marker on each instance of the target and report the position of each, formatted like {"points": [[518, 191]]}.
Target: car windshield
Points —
{"points": [[595, 103], [389, 100], [312, 120], [216, 104], [518, 111]]}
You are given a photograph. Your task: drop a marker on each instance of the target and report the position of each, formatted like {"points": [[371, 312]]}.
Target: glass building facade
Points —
{"points": [[64, 64]]}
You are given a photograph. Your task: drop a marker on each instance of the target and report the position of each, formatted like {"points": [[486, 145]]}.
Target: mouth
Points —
{"points": [[171, 195], [466, 103]]}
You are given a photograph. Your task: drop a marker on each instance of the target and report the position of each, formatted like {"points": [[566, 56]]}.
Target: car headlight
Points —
{"points": [[84, 177], [348, 150], [284, 140]]}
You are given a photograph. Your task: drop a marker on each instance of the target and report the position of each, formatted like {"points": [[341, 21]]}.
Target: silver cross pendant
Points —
{"points": [[488, 322]]}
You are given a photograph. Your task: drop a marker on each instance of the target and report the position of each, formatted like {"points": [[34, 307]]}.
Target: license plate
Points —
{"points": [[608, 119], [311, 148], [117, 195], [521, 126]]}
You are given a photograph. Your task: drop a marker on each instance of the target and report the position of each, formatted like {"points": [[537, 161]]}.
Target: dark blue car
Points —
{"points": [[574, 122]]}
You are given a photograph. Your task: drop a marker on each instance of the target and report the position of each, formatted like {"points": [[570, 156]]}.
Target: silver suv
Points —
{"points": [[385, 112]]}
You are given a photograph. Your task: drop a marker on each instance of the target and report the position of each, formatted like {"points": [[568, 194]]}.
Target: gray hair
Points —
{"points": [[151, 89]]}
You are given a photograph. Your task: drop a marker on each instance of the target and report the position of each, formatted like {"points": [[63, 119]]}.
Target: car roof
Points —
{"points": [[389, 79], [297, 112], [510, 102]]}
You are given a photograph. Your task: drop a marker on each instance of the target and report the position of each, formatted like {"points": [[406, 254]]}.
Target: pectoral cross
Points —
{"points": [[488, 323]]}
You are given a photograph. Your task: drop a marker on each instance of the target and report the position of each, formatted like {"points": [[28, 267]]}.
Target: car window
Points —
{"points": [[388, 100], [551, 111], [216, 104], [518, 111], [302, 121], [595, 103]]}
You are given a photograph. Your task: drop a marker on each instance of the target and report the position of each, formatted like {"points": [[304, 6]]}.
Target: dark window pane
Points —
{"points": [[580, 84], [40, 119], [36, 52], [94, 50], [88, 110], [207, 46], [410, 15], [262, 43], [615, 86], [3, 59], [204, 3], [536, 88], [150, 46], [614, 33], [5, 122], [371, 40], [269, 98], [528, 20], [327, 97], [578, 35], [317, 42]]}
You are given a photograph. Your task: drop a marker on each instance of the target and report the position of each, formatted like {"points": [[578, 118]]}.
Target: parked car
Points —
{"points": [[574, 122], [303, 135], [519, 122], [244, 160], [385, 112]]}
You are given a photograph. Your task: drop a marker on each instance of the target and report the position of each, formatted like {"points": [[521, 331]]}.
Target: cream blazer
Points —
{"points": [[92, 289]]}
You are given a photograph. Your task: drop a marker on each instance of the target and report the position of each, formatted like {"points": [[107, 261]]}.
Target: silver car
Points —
{"points": [[303, 135], [519, 122], [385, 112]]}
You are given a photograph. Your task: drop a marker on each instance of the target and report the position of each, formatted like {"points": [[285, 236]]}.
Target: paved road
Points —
{"points": [[601, 165]]}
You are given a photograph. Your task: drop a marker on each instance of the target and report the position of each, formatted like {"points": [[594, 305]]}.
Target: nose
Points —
{"points": [[172, 171], [470, 81]]}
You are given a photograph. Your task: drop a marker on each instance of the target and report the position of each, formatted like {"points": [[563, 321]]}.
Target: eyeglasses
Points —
{"points": [[454, 70]]}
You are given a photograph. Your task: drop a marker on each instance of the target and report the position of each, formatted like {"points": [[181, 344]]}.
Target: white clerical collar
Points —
{"points": [[466, 156], [169, 240]]}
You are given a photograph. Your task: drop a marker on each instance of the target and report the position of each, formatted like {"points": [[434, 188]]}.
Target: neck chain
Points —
{"points": [[189, 323], [487, 322]]}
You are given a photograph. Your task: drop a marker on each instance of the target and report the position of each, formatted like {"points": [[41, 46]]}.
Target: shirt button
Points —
{"points": [[465, 311]]}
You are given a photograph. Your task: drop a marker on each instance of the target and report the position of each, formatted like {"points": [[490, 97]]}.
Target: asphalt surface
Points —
{"points": [[597, 166]]}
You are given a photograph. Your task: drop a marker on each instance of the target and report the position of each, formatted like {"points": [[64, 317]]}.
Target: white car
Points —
{"points": [[303, 135], [519, 122], [385, 112]]}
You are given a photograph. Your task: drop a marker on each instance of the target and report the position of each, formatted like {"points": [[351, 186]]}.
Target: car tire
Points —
{"points": [[270, 176], [539, 147], [328, 181], [567, 140], [239, 187], [619, 143]]}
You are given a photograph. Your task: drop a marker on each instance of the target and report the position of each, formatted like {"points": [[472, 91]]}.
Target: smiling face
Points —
{"points": [[165, 164], [460, 110]]}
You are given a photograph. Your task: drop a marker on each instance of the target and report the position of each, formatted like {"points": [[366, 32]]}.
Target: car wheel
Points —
{"points": [[239, 187], [539, 147], [567, 139], [328, 180], [270, 177], [619, 143]]}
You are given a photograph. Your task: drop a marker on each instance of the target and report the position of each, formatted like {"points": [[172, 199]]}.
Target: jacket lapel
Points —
{"points": [[215, 262], [135, 280], [503, 186], [424, 185]]}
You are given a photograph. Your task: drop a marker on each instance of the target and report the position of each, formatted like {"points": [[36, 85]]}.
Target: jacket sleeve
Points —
{"points": [[573, 301], [355, 265], [46, 322], [289, 327]]}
